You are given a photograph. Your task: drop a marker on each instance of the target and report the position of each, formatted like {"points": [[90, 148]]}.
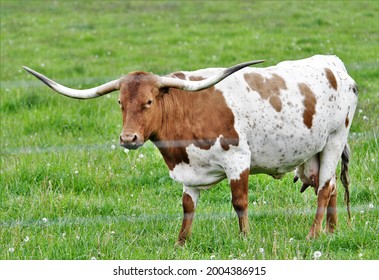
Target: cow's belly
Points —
{"points": [[274, 154], [278, 153]]}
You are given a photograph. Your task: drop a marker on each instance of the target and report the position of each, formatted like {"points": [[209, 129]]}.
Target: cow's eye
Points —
{"points": [[122, 107], [148, 103]]}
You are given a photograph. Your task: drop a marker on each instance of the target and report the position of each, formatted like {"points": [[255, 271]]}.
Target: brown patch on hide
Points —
{"points": [[197, 118], [347, 121], [331, 78], [178, 75], [268, 88], [309, 104]]}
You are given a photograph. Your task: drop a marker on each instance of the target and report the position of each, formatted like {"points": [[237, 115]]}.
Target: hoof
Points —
{"points": [[180, 243]]}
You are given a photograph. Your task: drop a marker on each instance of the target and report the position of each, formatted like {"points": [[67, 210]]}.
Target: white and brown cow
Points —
{"points": [[210, 125]]}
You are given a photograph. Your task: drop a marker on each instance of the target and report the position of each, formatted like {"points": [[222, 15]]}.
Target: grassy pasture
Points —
{"points": [[68, 191]]}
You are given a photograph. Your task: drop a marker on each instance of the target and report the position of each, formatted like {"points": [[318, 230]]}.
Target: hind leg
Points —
{"points": [[326, 193], [324, 198], [331, 211]]}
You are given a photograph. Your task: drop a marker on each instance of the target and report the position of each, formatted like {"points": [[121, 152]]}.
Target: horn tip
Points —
{"points": [[31, 71]]}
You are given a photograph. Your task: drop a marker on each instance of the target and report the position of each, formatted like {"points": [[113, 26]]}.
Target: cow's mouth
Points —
{"points": [[131, 146]]}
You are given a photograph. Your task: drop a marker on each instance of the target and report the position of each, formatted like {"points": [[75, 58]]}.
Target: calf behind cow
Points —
{"points": [[210, 125]]}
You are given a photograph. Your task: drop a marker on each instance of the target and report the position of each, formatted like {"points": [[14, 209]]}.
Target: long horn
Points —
{"points": [[77, 93], [203, 84]]}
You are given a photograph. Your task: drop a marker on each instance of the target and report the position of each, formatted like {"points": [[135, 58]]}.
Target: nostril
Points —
{"points": [[135, 138], [129, 138]]}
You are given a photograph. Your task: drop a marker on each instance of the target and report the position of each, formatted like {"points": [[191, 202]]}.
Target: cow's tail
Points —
{"points": [[345, 179]]}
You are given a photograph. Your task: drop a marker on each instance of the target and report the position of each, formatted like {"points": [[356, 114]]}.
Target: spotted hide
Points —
{"points": [[292, 116]]}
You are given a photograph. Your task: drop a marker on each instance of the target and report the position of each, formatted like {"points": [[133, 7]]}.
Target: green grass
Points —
{"points": [[67, 193]]}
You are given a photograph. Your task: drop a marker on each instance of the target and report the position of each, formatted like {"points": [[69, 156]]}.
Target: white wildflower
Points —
{"points": [[26, 239], [371, 206], [93, 259], [11, 250], [317, 255], [365, 118], [126, 151], [212, 257], [113, 147], [261, 250], [141, 156], [76, 171], [44, 220]]}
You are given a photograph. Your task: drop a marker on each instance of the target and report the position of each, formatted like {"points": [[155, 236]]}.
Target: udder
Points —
{"points": [[308, 173]]}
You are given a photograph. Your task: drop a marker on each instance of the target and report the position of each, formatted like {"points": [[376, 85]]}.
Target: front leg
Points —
{"points": [[189, 199], [239, 190]]}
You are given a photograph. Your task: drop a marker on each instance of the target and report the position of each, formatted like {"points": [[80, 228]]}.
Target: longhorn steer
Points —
{"points": [[272, 120]]}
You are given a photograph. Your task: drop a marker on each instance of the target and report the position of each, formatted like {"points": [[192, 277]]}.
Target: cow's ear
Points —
{"points": [[164, 90]]}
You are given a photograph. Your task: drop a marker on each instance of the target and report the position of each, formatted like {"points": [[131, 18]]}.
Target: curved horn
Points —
{"points": [[77, 93], [203, 84]]}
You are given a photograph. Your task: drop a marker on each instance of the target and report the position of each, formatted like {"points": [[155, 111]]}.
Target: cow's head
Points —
{"points": [[139, 99]]}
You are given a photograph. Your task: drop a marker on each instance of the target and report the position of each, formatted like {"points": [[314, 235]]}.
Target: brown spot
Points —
{"points": [[309, 104], [178, 75], [331, 78], [195, 78], [197, 118], [347, 121], [268, 88]]}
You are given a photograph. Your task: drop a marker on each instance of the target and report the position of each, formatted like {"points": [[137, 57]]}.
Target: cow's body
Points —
{"points": [[272, 141], [272, 120]]}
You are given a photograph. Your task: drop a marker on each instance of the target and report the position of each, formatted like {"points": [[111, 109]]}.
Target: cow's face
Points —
{"points": [[139, 101]]}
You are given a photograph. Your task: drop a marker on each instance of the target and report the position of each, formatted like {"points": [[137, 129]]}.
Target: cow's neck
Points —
{"points": [[197, 118]]}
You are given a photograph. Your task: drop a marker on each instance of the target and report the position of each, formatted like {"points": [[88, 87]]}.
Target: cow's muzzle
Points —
{"points": [[131, 141]]}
